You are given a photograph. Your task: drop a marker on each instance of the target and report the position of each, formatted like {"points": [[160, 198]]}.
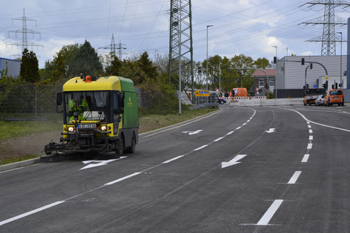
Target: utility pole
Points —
{"points": [[329, 21], [24, 31]]}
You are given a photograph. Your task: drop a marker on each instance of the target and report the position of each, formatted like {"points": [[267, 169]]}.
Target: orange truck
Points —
{"points": [[239, 92]]}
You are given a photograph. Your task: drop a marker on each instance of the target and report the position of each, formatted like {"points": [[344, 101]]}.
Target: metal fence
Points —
{"points": [[27, 102]]}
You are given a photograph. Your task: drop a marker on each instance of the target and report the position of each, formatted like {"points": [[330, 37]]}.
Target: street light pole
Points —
{"points": [[276, 72], [341, 56], [208, 26]]}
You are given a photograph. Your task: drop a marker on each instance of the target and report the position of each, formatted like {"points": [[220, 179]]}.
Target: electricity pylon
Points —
{"points": [[24, 31], [329, 21], [180, 27]]}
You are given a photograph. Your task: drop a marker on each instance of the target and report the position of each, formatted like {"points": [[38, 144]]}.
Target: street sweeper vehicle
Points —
{"points": [[99, 115]]}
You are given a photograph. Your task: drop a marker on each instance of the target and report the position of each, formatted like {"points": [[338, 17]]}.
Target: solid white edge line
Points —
{"points": [[270, 212], [305, 158], [199, 148], [123, 178], [294, 178], [170, 160], [31, 212]]}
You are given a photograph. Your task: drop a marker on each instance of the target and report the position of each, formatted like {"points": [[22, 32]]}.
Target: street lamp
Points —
{"points": [[341, 55], [276, 72], [208, 26]]}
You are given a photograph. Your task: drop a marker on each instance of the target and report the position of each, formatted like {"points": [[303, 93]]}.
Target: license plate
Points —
{"points": [[87, 126], [335, 98]]}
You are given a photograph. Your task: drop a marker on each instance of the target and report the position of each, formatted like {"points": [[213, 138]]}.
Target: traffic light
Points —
{"points": [[326, 84], [303, 61], [310, 66], [274, 60], [267, 86], [199, 70], [307, 86]]}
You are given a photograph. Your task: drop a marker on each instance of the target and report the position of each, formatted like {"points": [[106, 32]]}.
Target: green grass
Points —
{"points": [[171, 118], [11, 129], [8, 161]]}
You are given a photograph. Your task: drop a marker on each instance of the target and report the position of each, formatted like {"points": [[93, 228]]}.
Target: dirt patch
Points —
{"points": [[33, 144]]}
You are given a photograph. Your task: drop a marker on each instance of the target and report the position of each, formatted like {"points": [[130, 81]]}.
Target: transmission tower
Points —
{"points": [[24, 31], [113, 48], [180, 18], [329, 21]]}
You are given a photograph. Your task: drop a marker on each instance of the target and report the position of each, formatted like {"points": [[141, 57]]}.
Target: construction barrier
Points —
{"points": [[253, 101]]}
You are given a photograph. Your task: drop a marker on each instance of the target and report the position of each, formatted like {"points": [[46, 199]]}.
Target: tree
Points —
{"points": [[85, 61], [147, 66], [59, 71], [115, 68], [242, 75], [262, 63], [29, 70]]}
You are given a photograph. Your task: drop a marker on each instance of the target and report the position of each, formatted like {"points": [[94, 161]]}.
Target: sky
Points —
{"points": [[249, 27]]}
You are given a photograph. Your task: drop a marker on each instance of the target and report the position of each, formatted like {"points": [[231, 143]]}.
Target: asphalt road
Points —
{"points": [[242, 169]]}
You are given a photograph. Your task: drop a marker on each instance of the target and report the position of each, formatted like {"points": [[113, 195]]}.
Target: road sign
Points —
{"points": [[202, 93], [326, 77], [315, 86]]}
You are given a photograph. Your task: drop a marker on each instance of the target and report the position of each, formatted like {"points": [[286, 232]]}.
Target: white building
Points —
{"points": [[290, 74], [13, 66]]}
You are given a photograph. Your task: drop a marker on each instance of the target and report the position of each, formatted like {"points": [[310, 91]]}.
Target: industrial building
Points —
{"points": [[13, 66], [292, 76]]}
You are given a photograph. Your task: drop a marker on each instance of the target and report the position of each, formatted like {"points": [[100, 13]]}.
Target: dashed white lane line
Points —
{"points": [[238, 127], [270, 212], [309, 146], [310, 130], [311, 138], [218, 139], [230, 133], [309, 126], [170, 160], [30, 212], [199, 148], [305, 158], [123, 178], [294, 178]]}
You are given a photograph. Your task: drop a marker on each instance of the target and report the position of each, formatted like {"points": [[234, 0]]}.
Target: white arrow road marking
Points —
{"points": [[192, 132], [232, 161], [97, 163], [271, 130]]}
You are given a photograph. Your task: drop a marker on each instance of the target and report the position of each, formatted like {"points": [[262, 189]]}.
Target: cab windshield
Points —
{"points": [[86, 106]]}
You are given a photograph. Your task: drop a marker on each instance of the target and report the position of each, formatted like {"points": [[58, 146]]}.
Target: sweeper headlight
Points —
{"points": [[103, 128], [70, 129]]}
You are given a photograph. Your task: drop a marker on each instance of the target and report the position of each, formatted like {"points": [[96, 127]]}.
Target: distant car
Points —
{"points": [[319, 100], [334, 96], [221, 101]]}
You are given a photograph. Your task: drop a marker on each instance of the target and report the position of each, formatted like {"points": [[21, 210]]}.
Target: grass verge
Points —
{"points": [[19, 159]]}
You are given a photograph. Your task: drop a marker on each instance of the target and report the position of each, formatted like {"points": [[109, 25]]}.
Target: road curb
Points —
{"points": [[20, 164]]}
